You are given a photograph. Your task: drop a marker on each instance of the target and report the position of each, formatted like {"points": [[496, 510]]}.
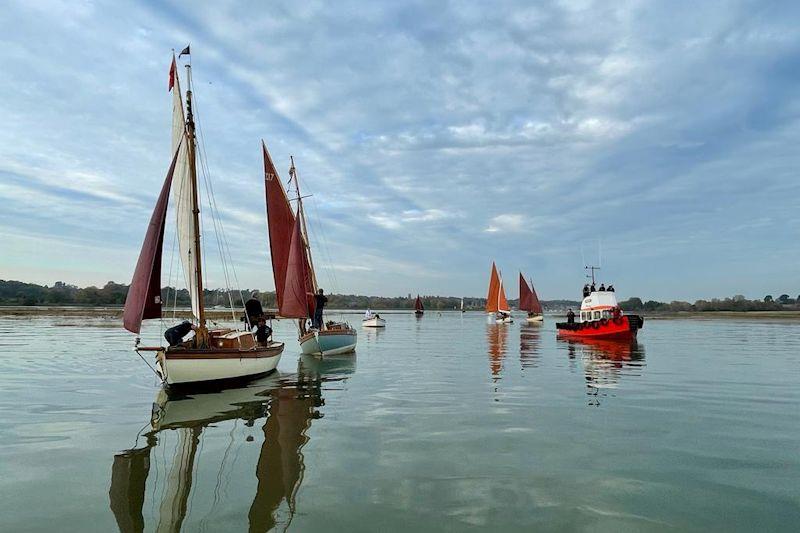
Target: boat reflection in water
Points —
{"points": [[284, 406], [529, 344], [497, 340], [605, 362]]}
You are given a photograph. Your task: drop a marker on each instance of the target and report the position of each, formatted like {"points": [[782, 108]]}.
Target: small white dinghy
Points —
{"points": [[373, 321]]}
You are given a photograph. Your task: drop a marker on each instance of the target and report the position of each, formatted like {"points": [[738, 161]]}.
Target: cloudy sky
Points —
{"points": [[435, 137]]}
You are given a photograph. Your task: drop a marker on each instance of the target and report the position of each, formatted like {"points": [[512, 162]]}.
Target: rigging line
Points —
{"points": [[225, 242], [169, 277], [320, 238]]}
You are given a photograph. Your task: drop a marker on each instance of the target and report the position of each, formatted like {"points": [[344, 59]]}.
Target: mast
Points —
{"points": [[301, 213], [591, 269], [196, 205]]}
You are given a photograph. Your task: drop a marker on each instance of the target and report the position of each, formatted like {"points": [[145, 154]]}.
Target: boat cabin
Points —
{"points": [[599, 305]]}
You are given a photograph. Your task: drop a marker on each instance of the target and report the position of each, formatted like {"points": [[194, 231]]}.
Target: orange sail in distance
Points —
{"points": [[496, 299]]}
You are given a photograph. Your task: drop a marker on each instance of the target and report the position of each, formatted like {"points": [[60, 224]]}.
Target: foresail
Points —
{"points": [[502, 302], [536, 305], [144, 295], [183, 198], [295, 298]]}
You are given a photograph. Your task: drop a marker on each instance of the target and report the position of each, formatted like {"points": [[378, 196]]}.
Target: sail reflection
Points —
{"points": [[496, 339], [530, 344], [284, 407], [605, 362]]}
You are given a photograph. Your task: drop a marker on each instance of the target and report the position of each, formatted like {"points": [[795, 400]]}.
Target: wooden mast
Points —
{"points": [[301, 213], [202, 333]]}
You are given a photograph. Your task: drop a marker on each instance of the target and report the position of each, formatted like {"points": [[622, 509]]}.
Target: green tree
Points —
{"points": [[768, 298], [784, 298]]}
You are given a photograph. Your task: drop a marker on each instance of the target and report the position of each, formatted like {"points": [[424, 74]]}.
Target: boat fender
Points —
{"points": [[596, 324]]}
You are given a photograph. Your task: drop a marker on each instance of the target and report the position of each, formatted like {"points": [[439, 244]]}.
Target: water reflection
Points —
{"points": [[496, 339], [605, 362], [287, 407], [529, 344]]}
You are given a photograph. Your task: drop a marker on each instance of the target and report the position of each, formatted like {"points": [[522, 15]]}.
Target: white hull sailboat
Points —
{"points": [[529, 301], [497, 306], [293, 268], [211, 355], [373, 322]]}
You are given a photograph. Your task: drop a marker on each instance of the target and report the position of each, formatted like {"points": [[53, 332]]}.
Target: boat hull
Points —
{"points": [[623, 328], [329, 342], [180, 366], [374, 322], [532, 319]]}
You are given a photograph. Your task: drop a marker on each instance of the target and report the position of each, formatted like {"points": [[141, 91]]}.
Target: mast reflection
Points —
{"points": [[287, 406]]}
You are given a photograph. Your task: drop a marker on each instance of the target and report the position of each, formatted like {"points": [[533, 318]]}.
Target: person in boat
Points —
{"points": [[252, 311], [319, 300], [586, 291], [610, 288], [368, 315], [592, 289], [570, 316], [602, 287], [175, 334], [616, 312], [263, 332]]}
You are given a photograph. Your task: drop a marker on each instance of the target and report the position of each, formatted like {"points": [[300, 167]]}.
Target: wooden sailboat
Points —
{"points": [[293, 267], [211, 354], [419, 309], [496, 302], [529, 301]]}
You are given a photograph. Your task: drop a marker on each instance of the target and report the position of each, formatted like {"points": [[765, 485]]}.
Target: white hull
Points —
{"points": [[537, 318], [374, 323], [188, 369], [508, 320]]}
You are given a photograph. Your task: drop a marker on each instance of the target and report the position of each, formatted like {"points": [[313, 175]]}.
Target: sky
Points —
{"points": [[660, 140]]}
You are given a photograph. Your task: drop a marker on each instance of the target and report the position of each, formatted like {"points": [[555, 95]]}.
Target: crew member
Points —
{"points": [[616, 312], [610, 288], [586, 291], [175, 334], [603, 287], [319, 300], [570, 317], [263, 331], [252, 310], [592, 289]]}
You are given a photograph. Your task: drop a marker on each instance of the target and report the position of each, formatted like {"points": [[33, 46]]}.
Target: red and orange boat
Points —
{"points": [[601, 318]]}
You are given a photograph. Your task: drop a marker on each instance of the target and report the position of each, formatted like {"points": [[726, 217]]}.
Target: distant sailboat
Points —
{"points": [[293, 268], [529, 301], [211, 354], [462, 305], [419, 309], [496, 301]]}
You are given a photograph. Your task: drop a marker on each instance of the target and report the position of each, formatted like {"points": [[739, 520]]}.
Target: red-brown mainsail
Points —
{"points": [[528, 300], [280, 221], [144, 295], [295, 291]]}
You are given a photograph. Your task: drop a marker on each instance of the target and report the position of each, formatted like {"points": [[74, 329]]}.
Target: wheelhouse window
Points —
{"points": [[597, 315]]}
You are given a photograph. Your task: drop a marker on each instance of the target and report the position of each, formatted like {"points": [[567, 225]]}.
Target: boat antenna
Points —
{"points": [[591, 269]]}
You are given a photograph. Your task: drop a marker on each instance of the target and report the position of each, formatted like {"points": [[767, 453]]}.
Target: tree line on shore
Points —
{"points": [[113, 294]]}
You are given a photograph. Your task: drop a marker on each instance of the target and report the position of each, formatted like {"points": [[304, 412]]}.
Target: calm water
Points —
{"points": [[443, 423]]}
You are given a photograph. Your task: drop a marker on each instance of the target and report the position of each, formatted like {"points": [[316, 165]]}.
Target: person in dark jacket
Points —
{"points": [[263, 331], [319, 304], [570, 317], [586, 291], [602, 287], [252, 311], [175, 334], [592, 289]]}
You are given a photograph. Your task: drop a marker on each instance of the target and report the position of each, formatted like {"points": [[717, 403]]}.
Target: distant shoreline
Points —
{"points": [[218, 314]]}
